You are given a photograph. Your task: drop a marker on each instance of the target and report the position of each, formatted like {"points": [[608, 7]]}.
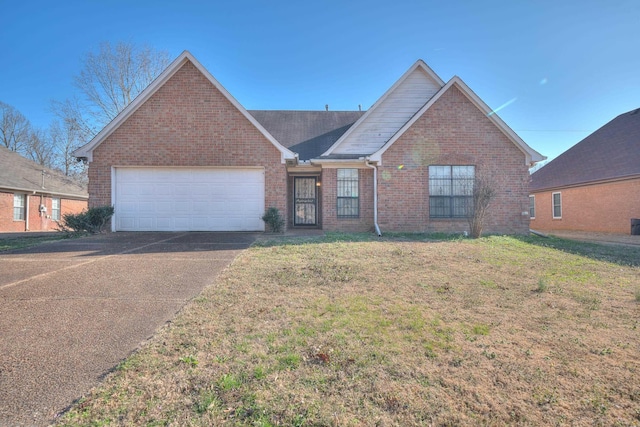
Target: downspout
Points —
{"points": [[375, 197]]}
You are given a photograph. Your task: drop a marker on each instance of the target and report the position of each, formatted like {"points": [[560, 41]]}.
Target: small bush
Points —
{"points": [[93, 220], [274, 220]]}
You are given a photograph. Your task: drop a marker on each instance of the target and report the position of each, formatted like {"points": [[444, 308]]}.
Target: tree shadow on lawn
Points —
{"points": [[617, 254]]}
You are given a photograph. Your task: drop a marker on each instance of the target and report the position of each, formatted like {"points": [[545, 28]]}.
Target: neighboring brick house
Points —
{"points": [[33, 198], [594, 185], [185, 155]]}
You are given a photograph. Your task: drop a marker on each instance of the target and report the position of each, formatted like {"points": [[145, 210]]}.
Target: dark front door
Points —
{"points": [[305, 202]]}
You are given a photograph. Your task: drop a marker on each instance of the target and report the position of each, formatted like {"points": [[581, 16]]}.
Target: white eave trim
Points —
{"points": [[86, 151], [44, 192], [531, 155], [419, 64]]}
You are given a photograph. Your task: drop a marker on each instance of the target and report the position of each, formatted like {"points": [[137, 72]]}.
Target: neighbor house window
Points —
{"points": [[557, 205], [451, 191], [55, 209], [348, 200], [532, 207], [19, 203]]}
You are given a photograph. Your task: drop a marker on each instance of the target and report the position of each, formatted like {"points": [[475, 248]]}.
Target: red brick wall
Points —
{"points": [[37, 221], [330, 220], [187, 122], [452, 132], [606, 207]]}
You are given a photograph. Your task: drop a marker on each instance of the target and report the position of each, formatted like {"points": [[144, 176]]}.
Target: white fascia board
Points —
{"points": [[419, 64], [44, 192], [339, 163], [87, 149], [531, 156]]}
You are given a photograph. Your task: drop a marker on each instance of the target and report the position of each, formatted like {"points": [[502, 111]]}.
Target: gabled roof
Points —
{"points": [[308, 133], [86, 151], [611, 152], [531, 156], [23, 175], [418, 65]]}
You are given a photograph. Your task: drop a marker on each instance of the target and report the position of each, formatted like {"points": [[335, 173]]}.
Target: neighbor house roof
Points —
{"points": [[611, 152], [23, 175], [308, 133]]}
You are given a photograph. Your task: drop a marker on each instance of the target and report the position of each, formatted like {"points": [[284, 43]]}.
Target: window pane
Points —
{"points": [[439, 207], [347, 193], [18, 207], [557, 205], [532, 206], [451, 191], [55, 209]]}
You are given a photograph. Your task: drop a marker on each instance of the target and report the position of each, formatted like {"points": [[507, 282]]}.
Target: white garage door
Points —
{"points": [[181, 199]]}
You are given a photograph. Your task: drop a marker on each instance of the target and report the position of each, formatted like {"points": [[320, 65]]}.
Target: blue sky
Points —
{"points": [[560, 69]]}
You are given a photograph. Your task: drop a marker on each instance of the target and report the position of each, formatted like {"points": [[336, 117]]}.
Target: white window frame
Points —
{"points": [[55, 211], [553, 204], [20, 207], [532, 207]]}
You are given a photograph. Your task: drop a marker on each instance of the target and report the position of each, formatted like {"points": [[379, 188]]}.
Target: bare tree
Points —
{"points": [[65, 138], [482, 194], [115, 75], [39, 148], [14, 128]]}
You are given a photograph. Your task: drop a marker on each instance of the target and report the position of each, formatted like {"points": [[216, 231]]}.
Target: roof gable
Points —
{"points": [[611, 152], [23, 175], [397, 105], [531, 155], [86, 151]]}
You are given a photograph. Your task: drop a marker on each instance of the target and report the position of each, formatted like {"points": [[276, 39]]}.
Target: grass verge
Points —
{"points": [[26, 241], [350, 330]]}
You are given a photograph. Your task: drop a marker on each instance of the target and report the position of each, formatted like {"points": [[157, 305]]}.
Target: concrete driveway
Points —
{"points": [[71, 310]]}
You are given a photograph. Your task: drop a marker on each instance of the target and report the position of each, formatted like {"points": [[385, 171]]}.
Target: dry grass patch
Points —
{"points": [[340, 332]]}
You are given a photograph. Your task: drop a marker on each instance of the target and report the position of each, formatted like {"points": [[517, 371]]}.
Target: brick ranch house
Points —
{"points": [[185, 155], [33, 198], [594, 185]]}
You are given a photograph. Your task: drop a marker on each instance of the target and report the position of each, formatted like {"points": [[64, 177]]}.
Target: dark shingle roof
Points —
{"points": [[308, 133], [611, 152], [20, 174]]}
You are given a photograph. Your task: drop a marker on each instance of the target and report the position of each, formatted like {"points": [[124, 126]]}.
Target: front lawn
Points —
{"points": [[351, 330]]}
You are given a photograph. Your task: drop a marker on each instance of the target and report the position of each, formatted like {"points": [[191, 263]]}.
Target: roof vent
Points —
{"points": [[359, 107], [326, 107]]}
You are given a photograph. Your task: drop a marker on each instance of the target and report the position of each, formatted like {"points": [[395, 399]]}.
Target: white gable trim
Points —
{"points": [[87, 149], [419, 64], [531, 155]]}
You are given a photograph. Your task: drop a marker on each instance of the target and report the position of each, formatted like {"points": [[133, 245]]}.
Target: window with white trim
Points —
{"points": [[19, 203], [348, 201], [451, 191], [557, 205], [532, 207], [55, 209]]}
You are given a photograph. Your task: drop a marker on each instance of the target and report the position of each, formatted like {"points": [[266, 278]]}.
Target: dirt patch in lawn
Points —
{"points": [[335, 331]]}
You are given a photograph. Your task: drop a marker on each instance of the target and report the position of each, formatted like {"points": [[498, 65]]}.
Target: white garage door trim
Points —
{"points": [[187, 199]]}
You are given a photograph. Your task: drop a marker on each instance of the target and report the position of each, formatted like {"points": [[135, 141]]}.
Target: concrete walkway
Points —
{"points": [[71, 310]]}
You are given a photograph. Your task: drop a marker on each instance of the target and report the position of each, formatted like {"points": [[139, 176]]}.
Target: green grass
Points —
{"points": [[26, 241], [405, 330]]}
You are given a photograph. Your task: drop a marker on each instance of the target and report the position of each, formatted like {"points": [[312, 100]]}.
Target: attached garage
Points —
{"points": [[188, 199]]}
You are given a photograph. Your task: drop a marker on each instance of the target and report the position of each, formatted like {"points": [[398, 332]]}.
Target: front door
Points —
{"points": [[305, 202]]}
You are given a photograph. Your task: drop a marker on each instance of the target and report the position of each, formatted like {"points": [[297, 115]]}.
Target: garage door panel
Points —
{"points": [[181, 199]]}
